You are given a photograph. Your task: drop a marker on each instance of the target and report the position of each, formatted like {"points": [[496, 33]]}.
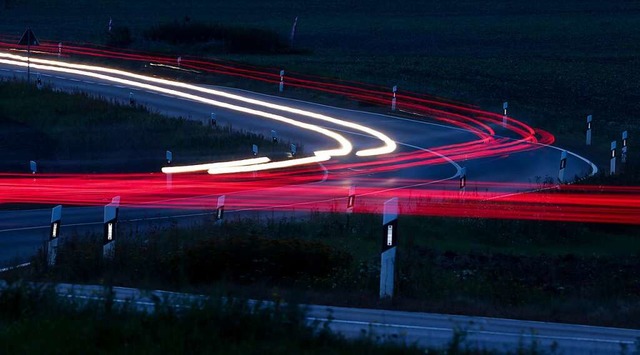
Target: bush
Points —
{"points": [[248, 260], [119, 36], [234, 39]]}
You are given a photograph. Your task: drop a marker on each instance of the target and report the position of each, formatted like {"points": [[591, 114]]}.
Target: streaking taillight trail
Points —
{"points": [[293, 184]]}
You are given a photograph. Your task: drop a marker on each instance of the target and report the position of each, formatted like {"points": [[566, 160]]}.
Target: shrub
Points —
{"points": [[234, 39], [248, 260], [119, 36]]}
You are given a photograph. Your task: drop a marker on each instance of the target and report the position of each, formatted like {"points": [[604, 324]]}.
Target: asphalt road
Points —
{"points": [[22, 233]]}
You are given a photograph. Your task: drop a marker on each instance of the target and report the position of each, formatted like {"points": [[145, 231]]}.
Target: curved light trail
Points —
{"points": [[289, 187], [388, 147], [83, 70]]}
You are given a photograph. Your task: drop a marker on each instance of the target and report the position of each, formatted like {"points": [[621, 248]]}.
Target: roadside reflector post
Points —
{"points": [[220, 209], [505, 105], [623, 155], [213, 122], [274, 136], [563, 165], [110, 228], [351, 199], [179, 60], [393, 99], [169, 181], [38, 81], [132, 101], [54, 233], [59, 49], [254, 149], [281, 87], [169, 176], [389, 243], [612, 167], [463, 180], [33, 166], [294, 149], [589, 119]]}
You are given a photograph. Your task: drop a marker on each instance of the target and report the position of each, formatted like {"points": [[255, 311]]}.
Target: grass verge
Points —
{"points": [[75, 132], [527, 272]]}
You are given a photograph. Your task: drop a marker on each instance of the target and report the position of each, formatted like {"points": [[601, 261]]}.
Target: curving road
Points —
{"points": [[410, 165]]}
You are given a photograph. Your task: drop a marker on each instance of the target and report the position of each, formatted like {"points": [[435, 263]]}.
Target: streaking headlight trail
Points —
{"points": [[136, 80], [214, 166]]}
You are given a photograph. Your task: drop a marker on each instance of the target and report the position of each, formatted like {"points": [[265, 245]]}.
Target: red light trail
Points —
{"points": [[297, 188], [297, 192]]}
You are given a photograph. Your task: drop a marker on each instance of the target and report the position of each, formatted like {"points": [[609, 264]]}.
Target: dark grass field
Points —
{"points": [[73, 132]]}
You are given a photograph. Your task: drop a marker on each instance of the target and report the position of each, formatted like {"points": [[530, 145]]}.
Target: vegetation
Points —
{"points": [[218, 38], [78, 133], [531, 270], [33, 320], [119, 36]]}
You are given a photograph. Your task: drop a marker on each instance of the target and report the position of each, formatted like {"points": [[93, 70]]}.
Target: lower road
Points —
{"points": [[422, 329]]}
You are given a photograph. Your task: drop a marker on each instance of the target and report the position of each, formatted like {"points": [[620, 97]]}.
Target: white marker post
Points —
{"points": [[389, 243], [54, 232], [179, 60], [351, 200], [33, 166], [169, 177], [589, 119], [393, 100], [169, 181], [612, 167], [563, 165], [38, 81], [274, 136], [281, 80], [463, 180], [505, 105], [623, 155], [220, 209], [110, 228], [131, 99], [59, 49], [213, 122], [294, 150], [254, 149]]}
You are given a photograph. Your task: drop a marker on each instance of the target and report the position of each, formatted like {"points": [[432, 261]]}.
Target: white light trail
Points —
{"points": [[272, 165], [346, 147], [209, 166], [388, 147]]}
